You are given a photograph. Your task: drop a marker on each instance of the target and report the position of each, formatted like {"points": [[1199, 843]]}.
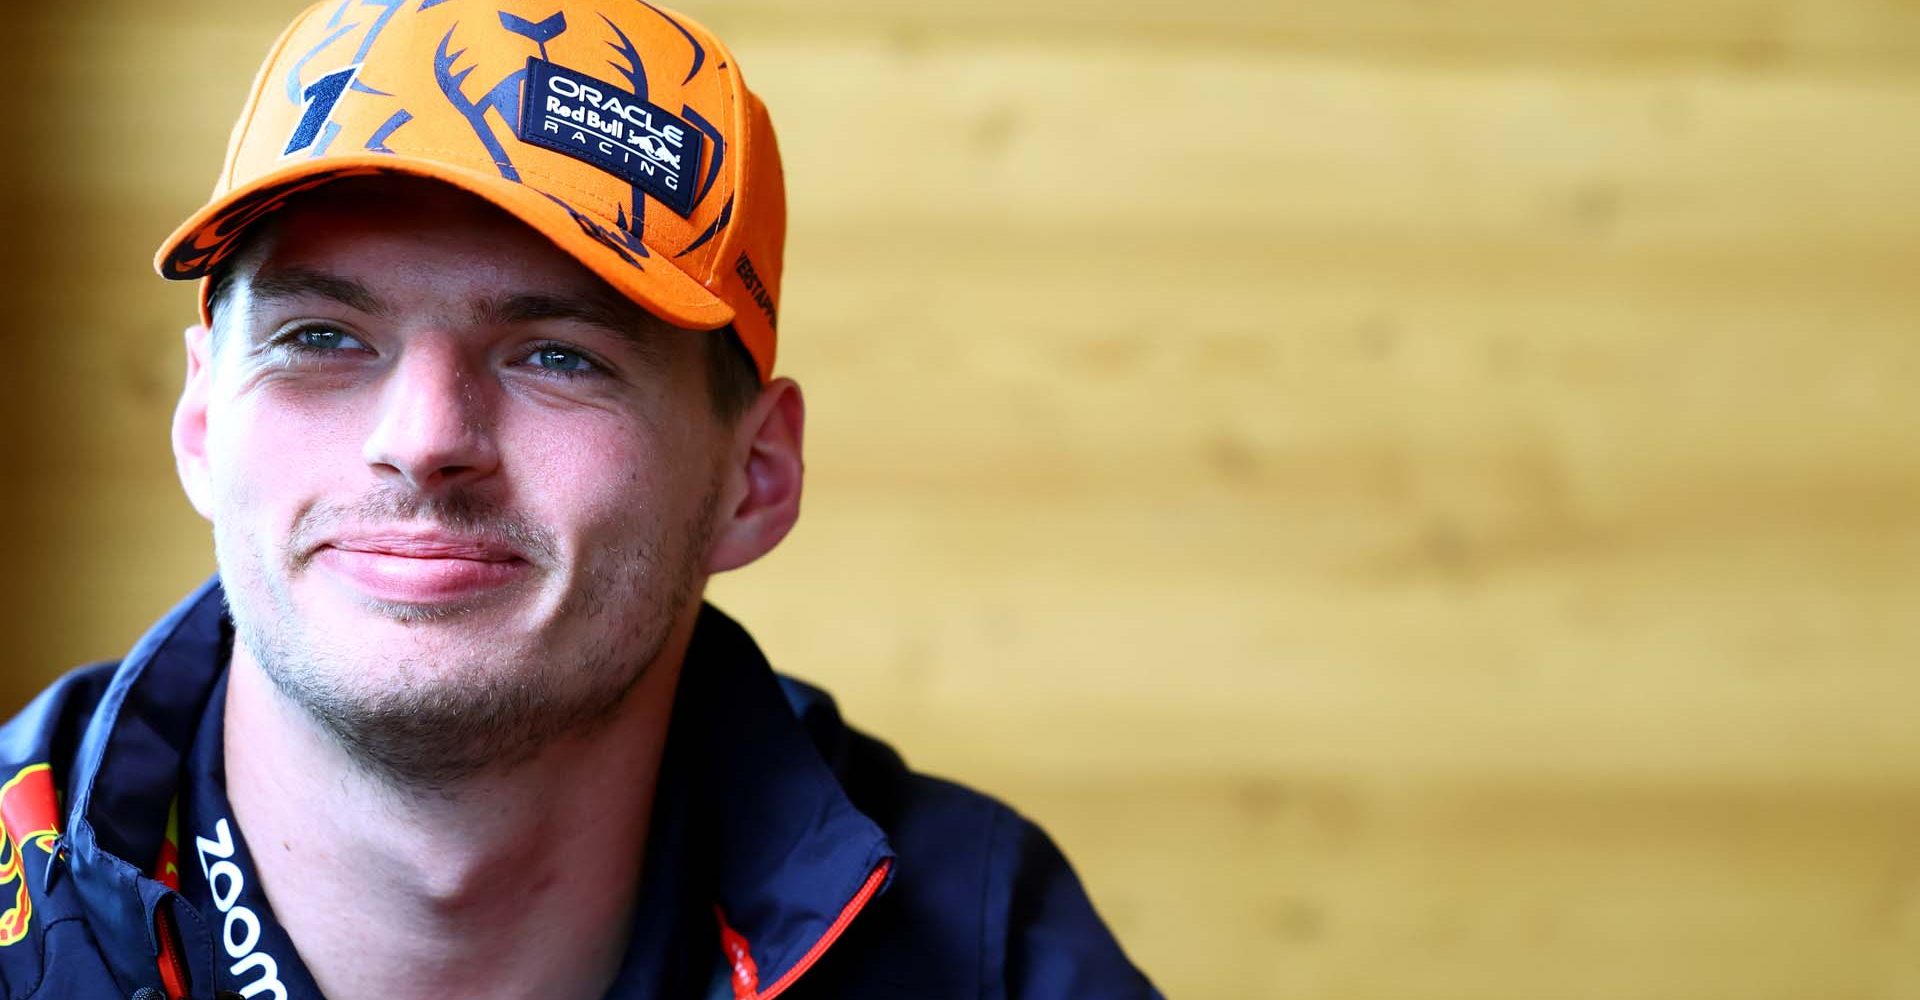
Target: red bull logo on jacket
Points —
{"points": [[29, 817]]}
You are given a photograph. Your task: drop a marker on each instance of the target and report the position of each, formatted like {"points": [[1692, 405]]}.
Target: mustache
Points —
{"points": [[462, 512]]}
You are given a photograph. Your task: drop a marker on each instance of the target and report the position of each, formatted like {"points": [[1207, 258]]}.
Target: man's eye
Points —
{"points": [[322, 340], [562, 360]]}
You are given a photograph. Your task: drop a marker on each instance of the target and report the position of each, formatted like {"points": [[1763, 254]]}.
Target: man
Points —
{"points": [[481, 395]]}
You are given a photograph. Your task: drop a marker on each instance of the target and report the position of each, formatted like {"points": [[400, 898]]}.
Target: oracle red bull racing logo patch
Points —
{"points": [[618, 131], [29, 817]]}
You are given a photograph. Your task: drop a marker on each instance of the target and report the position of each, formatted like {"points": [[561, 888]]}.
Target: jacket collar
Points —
{"points": [[782, 851], [795, 858], [126, 771]]}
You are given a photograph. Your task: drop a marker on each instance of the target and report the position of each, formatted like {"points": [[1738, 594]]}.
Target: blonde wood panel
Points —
{"points": [[1304, 885], [1419, 498]]}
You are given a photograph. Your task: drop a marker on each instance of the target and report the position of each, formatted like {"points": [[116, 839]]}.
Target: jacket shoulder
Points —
{"points": [[984, 903], [48, 729]]}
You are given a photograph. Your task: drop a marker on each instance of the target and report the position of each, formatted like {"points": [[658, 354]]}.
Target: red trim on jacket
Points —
{"points": [[751, 975]]}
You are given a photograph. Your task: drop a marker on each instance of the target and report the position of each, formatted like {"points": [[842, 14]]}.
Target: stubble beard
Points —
{"points": [[438, 724]]}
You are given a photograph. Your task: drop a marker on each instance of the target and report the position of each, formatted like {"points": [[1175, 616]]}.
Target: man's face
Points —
{"points": [[460, 490]]}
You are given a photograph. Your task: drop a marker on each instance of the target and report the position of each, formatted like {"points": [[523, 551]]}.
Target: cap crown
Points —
{"points": [[623, 131]]}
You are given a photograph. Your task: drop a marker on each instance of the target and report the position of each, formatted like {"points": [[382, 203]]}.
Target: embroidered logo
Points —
{"points": [[756, 288], [619, 132], [29, 815]]}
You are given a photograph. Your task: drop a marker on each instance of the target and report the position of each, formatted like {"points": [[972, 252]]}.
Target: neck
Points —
{"points": [[512, 885]]}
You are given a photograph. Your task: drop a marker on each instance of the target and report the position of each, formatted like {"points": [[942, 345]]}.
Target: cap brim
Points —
{"points": [[619, 258]]}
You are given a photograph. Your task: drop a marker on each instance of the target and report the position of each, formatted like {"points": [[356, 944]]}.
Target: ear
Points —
{"points": [[190, 422], [760, 495]]}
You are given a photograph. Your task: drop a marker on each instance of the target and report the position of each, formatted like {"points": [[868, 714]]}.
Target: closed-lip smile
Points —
{"points": [[421, 567]]}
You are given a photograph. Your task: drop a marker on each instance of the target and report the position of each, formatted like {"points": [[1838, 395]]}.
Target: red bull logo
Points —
{"points": [[29, 815]]}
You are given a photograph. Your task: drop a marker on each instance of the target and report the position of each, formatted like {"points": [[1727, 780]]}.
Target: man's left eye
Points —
{"points": [[561, 360]]}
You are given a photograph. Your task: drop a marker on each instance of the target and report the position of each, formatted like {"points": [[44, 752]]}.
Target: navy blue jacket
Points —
{"points": [[789, 855]]}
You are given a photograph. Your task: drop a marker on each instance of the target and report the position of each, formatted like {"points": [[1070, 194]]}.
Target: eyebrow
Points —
{"points": [[635, 326], [632, 324], [287, 284]]}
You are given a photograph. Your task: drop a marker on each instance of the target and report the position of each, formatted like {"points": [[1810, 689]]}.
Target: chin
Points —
{"points": [[427, 707]]}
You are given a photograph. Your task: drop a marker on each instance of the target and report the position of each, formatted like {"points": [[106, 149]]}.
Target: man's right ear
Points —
{"points": [[190, 422]]}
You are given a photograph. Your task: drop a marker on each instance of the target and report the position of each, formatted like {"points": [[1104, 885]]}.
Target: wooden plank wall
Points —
{"points": [[1422, 499]]}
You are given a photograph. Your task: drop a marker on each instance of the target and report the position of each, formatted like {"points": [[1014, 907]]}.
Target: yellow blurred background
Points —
{"points": [[1422, 499]]}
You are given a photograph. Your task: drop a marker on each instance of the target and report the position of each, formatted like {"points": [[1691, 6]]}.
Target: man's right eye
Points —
{"points": [[321, 340]]}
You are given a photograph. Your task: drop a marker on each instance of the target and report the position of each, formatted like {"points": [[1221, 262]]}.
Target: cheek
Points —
{"points": [[580, 473], [264, 455], [612, 483]]}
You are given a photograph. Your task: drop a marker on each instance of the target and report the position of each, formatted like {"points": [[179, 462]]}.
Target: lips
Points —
{"points": [[423, 568]]}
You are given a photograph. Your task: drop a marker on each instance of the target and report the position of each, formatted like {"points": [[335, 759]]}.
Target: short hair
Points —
{"points": [[733, 379]]}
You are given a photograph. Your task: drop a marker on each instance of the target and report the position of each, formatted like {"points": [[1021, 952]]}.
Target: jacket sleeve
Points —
{"points": [[1056, 946]]}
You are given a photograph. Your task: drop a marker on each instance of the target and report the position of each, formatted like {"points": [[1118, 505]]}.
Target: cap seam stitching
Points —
{"points": [[743, 156]]}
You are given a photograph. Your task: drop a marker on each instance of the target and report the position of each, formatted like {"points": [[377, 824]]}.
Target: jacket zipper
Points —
{"points": [[173, 967], [166, 871], [833, 933]]}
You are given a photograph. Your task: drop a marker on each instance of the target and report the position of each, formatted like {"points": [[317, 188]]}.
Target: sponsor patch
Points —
{"points": [[597, 122], [29, 815]]}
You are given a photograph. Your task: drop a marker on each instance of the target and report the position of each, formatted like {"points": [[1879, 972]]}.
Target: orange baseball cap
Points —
{"points": [[621, 131]]}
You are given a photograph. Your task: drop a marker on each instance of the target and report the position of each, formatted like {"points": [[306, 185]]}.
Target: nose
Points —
{"points": [[433, 430]]}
